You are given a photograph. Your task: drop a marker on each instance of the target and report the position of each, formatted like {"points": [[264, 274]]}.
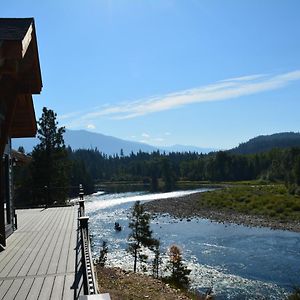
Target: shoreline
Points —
{"points": [[186, 207], [121, 284]]}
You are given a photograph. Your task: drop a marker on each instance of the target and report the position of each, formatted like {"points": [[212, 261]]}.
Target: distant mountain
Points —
{"points": [[264, 143], [82, 139]]}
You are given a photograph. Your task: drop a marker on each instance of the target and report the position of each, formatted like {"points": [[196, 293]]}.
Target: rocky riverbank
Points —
{"points": [[125, 285], [187, 207]]}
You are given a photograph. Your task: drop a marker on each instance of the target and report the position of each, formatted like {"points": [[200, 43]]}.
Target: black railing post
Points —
{"points": [[81, 193], [16, 221], [81, 201], [81, 208], [84, 223]]}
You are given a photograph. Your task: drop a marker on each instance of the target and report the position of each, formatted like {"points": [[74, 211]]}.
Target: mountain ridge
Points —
{"points": [[84, 139], [263, 143]]}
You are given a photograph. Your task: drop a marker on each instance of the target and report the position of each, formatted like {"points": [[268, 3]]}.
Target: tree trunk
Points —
{"points": [[135, 260]]}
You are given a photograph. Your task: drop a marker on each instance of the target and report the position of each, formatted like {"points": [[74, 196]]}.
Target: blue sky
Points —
{"points": [[209, 73]]}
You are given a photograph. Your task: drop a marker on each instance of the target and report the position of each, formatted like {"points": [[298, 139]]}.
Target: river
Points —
{"points": [[238, 262]]}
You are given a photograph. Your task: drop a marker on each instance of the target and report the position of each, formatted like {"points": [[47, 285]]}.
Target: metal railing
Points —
{"points": [[89, 279]]}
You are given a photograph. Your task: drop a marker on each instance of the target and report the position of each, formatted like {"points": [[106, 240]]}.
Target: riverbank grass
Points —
{"points": [[272, 201]]}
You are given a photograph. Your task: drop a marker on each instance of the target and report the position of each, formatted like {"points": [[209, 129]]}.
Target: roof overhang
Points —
{"points": [[20, 72]]}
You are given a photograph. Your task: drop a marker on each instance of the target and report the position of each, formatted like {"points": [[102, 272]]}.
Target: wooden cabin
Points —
{"points": [[20, 78]]}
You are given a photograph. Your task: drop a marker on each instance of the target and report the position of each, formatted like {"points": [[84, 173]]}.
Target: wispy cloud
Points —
{"points": [[159, 139], [145, 135], [245, 78], [91, 126], [222, 90], [69, 115]]}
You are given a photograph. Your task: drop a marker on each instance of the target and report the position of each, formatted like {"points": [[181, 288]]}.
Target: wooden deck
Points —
{"points": [[42, 258]]}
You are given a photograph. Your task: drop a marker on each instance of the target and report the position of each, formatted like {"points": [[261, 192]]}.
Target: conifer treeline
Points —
{"points": [[275, 165], [161, 171], [56, 171]]}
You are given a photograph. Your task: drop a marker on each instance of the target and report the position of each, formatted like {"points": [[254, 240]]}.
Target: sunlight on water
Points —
{"points": [[98, 193], [237, 261], [116, 199]]}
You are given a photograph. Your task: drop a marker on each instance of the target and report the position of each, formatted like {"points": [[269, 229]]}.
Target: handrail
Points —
{"points": [[90, 284], [89, 279]]}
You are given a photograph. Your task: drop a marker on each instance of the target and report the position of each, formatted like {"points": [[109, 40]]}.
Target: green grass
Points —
{"points": [[266, 200], [186, 184]]}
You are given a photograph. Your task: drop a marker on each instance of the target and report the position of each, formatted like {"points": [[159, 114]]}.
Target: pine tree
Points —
{"points": [[154, 176], [103, 254], [21, 149], [179, 272], [297, 170], [50, 165], [141, 235], [168, 175], [157, 261]]}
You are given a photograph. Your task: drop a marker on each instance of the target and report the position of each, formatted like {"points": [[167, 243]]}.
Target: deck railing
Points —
{"points": [[89, 279]]}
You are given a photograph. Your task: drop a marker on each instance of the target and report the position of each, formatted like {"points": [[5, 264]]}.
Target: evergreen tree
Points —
{"points": [[21, 149], [79, 175], [50, 165], [297, 170], [157, 261], [154, 176], [179, 272], [103, 254], [168, 175], [141, 235]]}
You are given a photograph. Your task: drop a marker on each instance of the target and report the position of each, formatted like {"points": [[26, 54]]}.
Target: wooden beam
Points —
{"points": [[26, 40], [12, 49], [37, 61], [24, 122], [20, 60], [16, 49], [7, 85], [9, 66]]}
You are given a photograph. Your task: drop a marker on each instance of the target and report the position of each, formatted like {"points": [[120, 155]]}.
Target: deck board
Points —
{"points": [[51, 245], [43, 246], [35, 289], [41, 257], [68, 292], [71, 262], [59, 256], [26, 286], [5, 287], [13, 290], [21, 258], [22, 238], [46, 288], [58, 286]]}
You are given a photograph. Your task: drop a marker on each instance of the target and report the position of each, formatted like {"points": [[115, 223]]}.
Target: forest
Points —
{"points": [[276, 165], [55, 171], [161, 172]]}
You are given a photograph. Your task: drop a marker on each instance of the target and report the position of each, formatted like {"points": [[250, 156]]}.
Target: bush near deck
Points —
{"points": [[267, 200]]}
